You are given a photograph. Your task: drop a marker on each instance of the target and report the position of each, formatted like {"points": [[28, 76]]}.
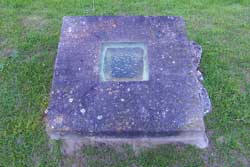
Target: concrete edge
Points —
{"points": [[197, 139]]}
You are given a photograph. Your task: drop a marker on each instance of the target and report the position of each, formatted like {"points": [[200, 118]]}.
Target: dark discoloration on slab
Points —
{"points": [[171, 101]]}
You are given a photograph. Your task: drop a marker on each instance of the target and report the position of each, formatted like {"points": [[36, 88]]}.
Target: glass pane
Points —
{"points": [[124, 61]]}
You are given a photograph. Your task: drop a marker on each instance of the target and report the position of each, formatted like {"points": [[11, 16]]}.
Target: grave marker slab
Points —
{"points": [[127, 79]]}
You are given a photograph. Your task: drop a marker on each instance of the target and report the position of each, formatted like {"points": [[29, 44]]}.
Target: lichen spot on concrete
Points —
{"points": [[70, 29], [71, 100], [58, 119], [99, 117], [83, 110]]}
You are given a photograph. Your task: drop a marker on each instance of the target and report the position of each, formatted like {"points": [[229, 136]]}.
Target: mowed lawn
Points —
{"points": [[29, 34]]}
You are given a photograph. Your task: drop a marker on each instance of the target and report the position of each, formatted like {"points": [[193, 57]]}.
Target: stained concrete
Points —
{"points": [[167, 107]]}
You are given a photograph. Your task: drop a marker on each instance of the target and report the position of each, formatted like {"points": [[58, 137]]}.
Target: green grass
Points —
{"points": [[29, 33]]}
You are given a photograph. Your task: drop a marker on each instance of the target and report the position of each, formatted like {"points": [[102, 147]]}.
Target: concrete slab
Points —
{"points": [[127, 79]]}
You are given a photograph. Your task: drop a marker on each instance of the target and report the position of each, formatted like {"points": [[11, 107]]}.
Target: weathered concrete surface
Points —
{"points": [[168, 107]]}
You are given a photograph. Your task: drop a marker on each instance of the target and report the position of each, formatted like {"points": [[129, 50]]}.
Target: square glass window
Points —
{"points": [[124, 61]]}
